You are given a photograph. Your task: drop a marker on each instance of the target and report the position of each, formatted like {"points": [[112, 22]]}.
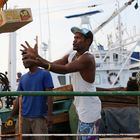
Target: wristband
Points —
{"points": [[49, 67]]}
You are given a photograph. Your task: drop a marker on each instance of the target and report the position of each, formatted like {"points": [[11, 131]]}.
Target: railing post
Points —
{"points": [[20, 118], [0, 127]]}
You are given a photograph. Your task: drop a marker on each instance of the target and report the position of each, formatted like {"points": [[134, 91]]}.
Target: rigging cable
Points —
{"points": [[40, 21]]}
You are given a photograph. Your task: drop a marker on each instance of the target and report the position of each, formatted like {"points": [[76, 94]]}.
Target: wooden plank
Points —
{"points": [[117, 105], [60, 118], [56, 98], [64, 88], [117, 101], [120, 99]]}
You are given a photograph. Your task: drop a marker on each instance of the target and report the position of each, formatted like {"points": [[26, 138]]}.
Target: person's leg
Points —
{"points": [[73, 120], [26, 129], [39, 126], [88, 128]]}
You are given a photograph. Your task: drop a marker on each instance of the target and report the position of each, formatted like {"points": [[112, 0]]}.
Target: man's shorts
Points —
{"points": [[88, 128]]}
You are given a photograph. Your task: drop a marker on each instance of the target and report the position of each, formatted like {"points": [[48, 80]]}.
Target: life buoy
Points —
{"points": [[110, 76]]}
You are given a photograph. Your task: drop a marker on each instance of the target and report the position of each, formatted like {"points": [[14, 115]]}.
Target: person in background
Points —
{"points": [[81, 64], [19, 74], [138, 79], [132, 84], [36, 110]]}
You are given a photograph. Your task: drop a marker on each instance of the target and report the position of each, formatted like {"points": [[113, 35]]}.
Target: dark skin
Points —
{"points": [[83, 63]]}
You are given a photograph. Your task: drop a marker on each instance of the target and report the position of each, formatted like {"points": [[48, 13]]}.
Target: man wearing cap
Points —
{"points": [[81, 64]]}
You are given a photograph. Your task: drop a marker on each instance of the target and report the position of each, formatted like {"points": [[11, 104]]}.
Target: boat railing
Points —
{"points": [[68, 94]]}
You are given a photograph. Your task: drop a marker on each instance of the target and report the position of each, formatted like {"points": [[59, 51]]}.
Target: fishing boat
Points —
{"points": [[119, 60], [114, 64]]}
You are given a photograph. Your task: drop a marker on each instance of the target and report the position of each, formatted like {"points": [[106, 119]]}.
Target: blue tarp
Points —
{"points": [[120, 120], [135, 55]]}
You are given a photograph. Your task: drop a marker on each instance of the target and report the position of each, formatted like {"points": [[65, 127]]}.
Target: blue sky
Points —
{"points": [[58, 29]]}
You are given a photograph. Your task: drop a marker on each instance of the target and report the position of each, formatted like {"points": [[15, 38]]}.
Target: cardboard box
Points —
{"points": [[13, 19]]}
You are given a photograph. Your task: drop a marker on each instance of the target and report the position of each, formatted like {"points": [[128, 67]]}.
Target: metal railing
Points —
{"points": [[65, 93], [70, 93]]}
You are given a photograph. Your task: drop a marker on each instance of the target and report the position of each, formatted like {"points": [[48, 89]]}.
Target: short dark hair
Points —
{"points": [[132, 85]]}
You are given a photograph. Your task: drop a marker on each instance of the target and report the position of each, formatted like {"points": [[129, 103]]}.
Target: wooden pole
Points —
{"points": [[20, 118]]}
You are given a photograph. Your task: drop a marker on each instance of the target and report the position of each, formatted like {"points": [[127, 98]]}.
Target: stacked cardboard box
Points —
{"points": [[13, 19]]}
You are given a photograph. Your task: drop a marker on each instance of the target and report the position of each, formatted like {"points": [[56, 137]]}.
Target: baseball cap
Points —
{"points": [[83, 31]]}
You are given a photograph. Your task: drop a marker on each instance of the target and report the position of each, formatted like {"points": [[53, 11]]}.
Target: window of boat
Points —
{"points": [[115, 57], [62, 79], [97, 79]]}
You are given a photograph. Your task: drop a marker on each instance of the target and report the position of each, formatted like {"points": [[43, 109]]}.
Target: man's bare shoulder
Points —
{"points": [[88, 56]]}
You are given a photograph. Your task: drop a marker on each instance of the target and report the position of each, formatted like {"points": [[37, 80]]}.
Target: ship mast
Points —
{"points": [[49, 32], [46, 46], [119, 34], [12, 61], [113, 16]]}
